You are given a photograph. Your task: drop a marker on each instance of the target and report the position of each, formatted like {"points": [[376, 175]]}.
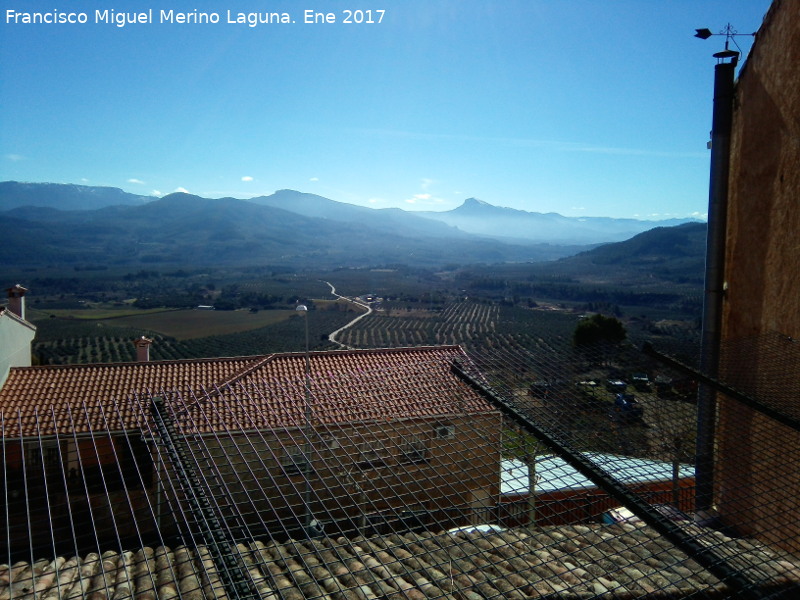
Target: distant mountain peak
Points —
{"points": [[474, 205], [64, 196]]}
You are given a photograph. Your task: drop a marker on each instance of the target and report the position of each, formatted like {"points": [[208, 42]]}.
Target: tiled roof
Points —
{"points": [[581, 561], [48, 397], [344, 387], [256, 392]]}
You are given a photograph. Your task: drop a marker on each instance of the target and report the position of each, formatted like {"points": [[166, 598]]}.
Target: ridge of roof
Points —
{"points": [[260, 359], [139, 364], [268, 358]]}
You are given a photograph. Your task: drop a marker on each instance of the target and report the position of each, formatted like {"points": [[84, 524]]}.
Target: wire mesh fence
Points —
{"points": [[407, 473]]}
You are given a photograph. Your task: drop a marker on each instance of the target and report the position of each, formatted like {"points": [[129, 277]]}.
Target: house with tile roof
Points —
{"points": [[362, 439]]}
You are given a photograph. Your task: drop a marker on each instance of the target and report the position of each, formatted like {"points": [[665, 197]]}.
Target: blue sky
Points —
{"points": [[596, 108]]}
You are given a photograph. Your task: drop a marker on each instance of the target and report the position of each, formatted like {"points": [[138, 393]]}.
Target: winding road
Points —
{"points": [[332, 336]]}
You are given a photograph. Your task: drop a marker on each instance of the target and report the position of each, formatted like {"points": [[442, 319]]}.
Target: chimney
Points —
{"points": [[142, 349], [16, 300]]}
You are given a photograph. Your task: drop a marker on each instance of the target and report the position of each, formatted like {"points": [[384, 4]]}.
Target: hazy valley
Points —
{"points": [[104, 266]]}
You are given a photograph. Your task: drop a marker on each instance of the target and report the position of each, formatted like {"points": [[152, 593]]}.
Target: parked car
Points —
{"points": [[625, 408], [616, 385], [641, 382], [622, 514]]}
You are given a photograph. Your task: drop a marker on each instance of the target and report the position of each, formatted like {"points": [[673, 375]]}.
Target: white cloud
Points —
{"points": [[84, 180], [247, 178], [425, 197], [182, 190], [156, 193], [314, 179], [14, 157], [420, 198], [134, 180]]}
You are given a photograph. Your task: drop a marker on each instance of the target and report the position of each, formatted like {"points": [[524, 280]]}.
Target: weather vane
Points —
{"points": [[730, 36]]}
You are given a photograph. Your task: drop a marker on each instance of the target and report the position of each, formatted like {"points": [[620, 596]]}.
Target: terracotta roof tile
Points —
{"points": [[264, 391], [581, 561]]}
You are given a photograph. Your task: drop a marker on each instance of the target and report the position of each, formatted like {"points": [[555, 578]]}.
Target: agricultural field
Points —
{"points": [[90, 313], [180, 324], [197, 334], [469, 323], [192, 324], [457, 323]]}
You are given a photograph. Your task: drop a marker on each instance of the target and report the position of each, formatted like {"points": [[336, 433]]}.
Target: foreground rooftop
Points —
{"points": [[622, 561]]}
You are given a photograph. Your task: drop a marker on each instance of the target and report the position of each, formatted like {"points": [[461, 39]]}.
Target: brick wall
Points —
{"points": [[758, 487], [458, 475]]}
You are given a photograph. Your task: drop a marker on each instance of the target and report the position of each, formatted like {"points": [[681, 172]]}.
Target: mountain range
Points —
{"points": [[482, 218], [45, 223]]}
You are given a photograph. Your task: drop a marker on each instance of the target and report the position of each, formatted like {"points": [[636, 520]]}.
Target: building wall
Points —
{"points": [[90, 490], [587, 506], [757, 488], [110, 487], [458, 480], [16, 336]]}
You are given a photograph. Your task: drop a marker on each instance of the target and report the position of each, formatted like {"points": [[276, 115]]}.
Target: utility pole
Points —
{"points": [[310, 525]]}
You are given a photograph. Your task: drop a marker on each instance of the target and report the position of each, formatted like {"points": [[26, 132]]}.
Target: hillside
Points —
{"points": [[663, 254], [184, 229], [14, 194], [479, 217]]}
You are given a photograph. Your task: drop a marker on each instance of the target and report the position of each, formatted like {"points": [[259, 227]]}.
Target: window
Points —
{"points": [[295, 462], [43, 457], [414, 450], [371, 454], [445, 431]]}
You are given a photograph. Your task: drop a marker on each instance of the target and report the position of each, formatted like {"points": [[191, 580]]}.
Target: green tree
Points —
{"points": [[598, 329]]}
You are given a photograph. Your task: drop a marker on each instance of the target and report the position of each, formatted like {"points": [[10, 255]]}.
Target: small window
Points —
{"points": [[43, 457], [445, 432], [371, 454], [414, 450], [295, 462], [330, 442]]}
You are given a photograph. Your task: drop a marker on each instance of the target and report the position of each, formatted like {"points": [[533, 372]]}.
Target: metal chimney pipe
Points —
{"points": [[714, 275]]}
